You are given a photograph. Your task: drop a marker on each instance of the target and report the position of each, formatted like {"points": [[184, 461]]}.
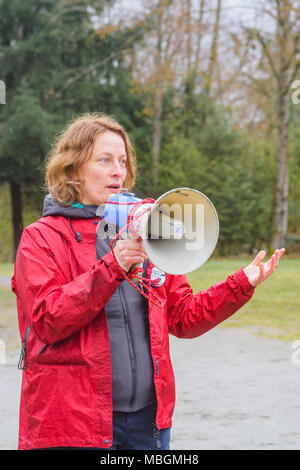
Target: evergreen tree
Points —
{"points": [[58, 59], [202, 150]]}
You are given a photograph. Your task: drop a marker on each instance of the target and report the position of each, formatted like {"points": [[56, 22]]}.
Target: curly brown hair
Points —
{"points": [[73, 147]]}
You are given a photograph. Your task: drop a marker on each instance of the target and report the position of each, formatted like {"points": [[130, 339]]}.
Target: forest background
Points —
{"points": [[209, 92]]}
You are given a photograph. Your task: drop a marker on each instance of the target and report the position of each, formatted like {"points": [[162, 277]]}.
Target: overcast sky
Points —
{"points": [[234, 12]]}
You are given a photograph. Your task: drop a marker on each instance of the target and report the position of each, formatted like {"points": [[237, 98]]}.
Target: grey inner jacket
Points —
{"points": [[127, 319]]}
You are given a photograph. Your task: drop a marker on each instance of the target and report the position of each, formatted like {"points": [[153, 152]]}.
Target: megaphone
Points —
{"points": [[179, 230]]}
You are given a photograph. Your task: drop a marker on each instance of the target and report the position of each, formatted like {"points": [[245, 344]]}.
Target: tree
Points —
{"points": [[157, 64], [25, 137], [56, 62], [22, 116], [161, 22], [275, 53], [222, 163], [214, 46]]}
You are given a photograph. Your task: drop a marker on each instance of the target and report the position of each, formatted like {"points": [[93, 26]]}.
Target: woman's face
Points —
{"points": [[106, 170]]}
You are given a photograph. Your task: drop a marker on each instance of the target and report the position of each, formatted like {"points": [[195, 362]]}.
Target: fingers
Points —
{"points": [[131, 245], [261, 272], [259, 257], [278, 254], [274, 261], [129, 252], [268, 268]]}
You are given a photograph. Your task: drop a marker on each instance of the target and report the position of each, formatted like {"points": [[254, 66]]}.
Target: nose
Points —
{"points": [[117, 169]]}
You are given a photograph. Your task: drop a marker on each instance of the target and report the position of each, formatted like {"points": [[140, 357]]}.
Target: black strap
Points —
{"points": [[77, 234], [145, 272], [22, 363]]}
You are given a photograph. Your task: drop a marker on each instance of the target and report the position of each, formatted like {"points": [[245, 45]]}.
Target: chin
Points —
{"points": [[95, 201]]}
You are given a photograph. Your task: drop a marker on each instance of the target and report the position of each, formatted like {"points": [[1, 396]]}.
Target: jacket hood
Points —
{"points": [[75, 210]]}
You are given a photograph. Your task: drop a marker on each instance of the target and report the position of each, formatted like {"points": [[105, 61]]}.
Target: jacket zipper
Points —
{"points": [[130, 343], [131, 348], [130, 339]]}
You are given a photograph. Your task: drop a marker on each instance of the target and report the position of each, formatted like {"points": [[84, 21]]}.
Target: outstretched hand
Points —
{"points": [[257, 272]]}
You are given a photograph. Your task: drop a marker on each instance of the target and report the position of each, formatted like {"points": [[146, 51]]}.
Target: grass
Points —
{"points": [[273, 311], [6, 269]]}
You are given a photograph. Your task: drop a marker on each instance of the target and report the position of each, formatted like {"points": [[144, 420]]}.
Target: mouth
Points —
{"points": [[114, 187]]}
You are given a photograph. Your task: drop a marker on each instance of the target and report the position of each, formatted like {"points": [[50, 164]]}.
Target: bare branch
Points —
{"points": [[268, 55], [81, 74]]}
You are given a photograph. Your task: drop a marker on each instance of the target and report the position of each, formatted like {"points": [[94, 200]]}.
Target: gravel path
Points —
{"points": [[235, 390], [5, 281]]}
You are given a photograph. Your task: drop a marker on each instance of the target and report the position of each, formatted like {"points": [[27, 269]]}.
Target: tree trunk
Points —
{"points": [[283, 80], [157, 106], [17, 219], [188, 28], [200, 35], [282, 188], [214, 47], [156, 136]]}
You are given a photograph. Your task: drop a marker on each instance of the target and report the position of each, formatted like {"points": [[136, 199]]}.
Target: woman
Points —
{"points": [[97, 370]]}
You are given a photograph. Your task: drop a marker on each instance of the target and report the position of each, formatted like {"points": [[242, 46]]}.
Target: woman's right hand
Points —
{"points": [[129, 252]]}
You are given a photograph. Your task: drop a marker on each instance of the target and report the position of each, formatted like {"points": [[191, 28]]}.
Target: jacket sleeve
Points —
{"points": [[53, 307], [190, 315]]}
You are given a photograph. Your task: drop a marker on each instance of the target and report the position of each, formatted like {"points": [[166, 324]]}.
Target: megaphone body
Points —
{"points": [[179, 230]]}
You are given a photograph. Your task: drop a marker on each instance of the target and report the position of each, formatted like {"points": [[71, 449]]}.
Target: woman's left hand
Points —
{"points": [[257, 272]]}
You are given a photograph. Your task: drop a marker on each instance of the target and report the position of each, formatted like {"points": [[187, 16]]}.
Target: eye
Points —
{"points": [[104, 160], [123, 162]]}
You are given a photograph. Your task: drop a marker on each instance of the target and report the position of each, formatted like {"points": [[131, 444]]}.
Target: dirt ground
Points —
{"points": [[235, 390]]}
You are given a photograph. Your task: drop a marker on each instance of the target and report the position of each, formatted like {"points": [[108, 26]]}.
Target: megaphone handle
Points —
{"points": [[134, 266]]}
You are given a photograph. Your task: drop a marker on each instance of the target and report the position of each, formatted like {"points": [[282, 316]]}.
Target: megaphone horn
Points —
{"points": [[179, 230]]}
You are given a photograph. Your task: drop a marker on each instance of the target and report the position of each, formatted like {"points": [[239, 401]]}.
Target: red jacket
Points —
{"points": [[61, 290]]}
